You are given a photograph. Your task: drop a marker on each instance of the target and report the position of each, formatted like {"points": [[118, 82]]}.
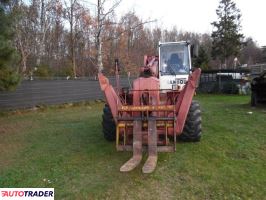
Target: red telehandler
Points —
{"points": [[157, 110]]}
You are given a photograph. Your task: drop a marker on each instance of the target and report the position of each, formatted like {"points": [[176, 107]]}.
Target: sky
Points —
{"points": [[196, 15]]}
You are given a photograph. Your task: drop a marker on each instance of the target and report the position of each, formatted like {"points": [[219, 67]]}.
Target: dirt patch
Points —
{"points": [[16, 127], [12, 136]]}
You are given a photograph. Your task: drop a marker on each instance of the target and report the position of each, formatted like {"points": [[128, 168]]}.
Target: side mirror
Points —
{"points": [[194, 49]]}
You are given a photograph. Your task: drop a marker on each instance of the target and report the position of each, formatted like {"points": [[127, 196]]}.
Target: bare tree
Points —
{"points": [[250, 53], [43, 26], [22, 39], [65, 38], [102, 16], [70, 12]]}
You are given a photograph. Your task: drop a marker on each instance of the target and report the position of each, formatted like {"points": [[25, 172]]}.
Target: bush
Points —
{"points": [[43, 71], [8, 79], [65, 71], [230, 88]]}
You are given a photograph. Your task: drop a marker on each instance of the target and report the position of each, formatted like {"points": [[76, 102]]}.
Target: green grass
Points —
{"points": [[64, 148]]}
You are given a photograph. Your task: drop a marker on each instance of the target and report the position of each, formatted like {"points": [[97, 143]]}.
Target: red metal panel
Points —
{"points": [[110, 95], [150, 85], [185, 99]]}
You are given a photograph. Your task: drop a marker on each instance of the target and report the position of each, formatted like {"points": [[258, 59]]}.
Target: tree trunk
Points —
{"points": [[225, 63], [99, 55], [72, 41], [41, 48], [23, 54], [24, 64], [99, 38]]}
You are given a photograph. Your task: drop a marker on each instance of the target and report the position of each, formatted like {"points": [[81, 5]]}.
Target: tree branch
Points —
{"points": [[130, 29]]}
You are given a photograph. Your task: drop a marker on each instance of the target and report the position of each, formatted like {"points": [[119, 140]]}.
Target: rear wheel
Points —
{"points": [[108, 124], [192, 128]]}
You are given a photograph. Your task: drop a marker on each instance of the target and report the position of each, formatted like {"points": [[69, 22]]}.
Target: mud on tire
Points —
{"points": [[192, 128], [108, 124]]}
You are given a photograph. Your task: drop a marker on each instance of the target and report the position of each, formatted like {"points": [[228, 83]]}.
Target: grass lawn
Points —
{"points": [[64, 148]]}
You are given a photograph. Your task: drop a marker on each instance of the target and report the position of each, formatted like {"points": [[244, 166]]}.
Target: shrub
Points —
{"points": [[230, 88], [43, 71], [8, 79]]}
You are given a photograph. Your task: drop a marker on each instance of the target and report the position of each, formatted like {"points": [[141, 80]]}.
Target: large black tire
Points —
{"points": [[108, 124], [192, 128], [254, 99]]}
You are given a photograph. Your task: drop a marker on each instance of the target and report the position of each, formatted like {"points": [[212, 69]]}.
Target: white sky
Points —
{"points": [[196, 15]]}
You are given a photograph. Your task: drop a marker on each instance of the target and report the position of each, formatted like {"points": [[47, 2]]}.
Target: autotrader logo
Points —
{"points": [[27, 193]]}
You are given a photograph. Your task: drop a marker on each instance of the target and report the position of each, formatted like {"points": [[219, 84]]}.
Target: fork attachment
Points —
{"points": [[133, 162], [151, 162]]}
